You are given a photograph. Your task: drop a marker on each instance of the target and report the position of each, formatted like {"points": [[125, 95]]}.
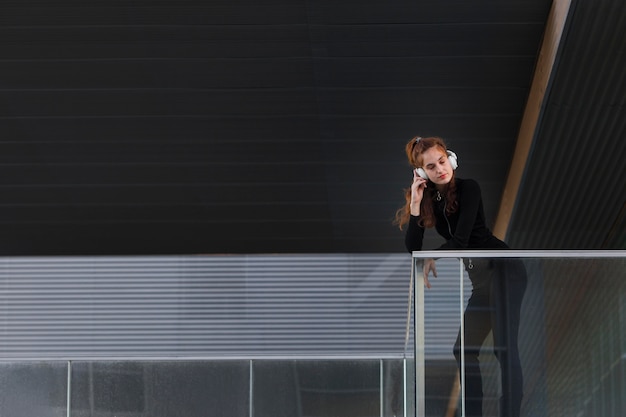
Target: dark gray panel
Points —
{"points": [[573, 193], [160, 127]]}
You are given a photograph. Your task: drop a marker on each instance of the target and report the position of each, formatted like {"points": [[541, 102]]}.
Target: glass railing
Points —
{"points": [[311, 335], [205, 387], [544, 334], [256, 335]]}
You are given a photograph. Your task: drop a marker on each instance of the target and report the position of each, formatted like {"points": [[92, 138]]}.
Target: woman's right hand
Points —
{"points": [[417, 193]]}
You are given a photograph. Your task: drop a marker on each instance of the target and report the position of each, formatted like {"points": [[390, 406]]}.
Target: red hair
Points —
{"points": [[415, 149]]}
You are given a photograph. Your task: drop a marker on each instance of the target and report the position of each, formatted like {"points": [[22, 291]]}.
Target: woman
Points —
{"points": [[437, 198]]}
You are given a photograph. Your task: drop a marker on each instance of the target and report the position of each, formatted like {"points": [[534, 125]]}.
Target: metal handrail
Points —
{"points": [[519, 254]]}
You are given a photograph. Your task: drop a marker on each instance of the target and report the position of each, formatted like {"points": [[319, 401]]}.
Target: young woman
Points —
{"points": [[454, 207]]}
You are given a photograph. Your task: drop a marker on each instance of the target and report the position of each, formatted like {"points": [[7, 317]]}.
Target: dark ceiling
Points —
{"points": [[239, 126], [574, 190]]}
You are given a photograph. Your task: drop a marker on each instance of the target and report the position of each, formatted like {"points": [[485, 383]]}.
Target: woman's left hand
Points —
{"points": [[429, 266]]}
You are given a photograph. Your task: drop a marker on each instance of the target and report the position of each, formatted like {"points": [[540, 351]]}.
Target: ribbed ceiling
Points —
{"points": [[573, 195], [245, 126]]}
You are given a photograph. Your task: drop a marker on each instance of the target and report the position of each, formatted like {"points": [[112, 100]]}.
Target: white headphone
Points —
{"points": [[454, 163]]}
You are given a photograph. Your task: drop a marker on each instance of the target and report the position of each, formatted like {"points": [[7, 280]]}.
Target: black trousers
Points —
{"points": [[498, 287]]}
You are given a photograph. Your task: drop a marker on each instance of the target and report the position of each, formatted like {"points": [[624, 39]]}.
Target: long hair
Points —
{"points": [[414, 150]]}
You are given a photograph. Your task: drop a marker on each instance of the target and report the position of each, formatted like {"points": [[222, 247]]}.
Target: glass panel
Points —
{"points": [[160, 389], [319, 388], [33, 389], [571, 336], [580, 352], [399, 388], [276, 391], [442, 304], [330, 388]]}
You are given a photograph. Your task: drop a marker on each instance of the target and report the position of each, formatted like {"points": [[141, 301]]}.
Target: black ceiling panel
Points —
{"points": [[249, 126], [574, 191]]}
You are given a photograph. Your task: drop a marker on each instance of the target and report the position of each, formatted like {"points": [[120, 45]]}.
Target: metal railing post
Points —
{"points": [[69, 389], [462, 331], [418, 331]]}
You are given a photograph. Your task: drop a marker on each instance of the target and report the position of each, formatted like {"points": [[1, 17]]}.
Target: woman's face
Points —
{"points": [[437, 166]]}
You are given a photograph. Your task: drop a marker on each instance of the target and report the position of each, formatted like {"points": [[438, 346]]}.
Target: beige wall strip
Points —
{"points": [[545, 62]]}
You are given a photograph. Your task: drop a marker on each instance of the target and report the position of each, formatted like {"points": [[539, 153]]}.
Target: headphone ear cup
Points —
{"points": [[454, 162], [421, 173]]}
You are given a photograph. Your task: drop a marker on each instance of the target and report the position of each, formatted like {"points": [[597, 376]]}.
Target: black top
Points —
{"points": [[463, 229]]}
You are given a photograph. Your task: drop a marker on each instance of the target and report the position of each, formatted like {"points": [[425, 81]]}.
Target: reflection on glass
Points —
{"points": [[328, 388], [491, 318], [33, 389], [566, 341], [160, 389], [262, 388]]}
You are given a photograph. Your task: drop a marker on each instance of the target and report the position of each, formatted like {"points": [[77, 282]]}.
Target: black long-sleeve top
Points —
{"points": [[463, 229]]}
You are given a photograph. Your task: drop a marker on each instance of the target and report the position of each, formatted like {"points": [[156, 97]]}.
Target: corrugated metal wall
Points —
{"points": [[319, 305], [222, 306], [216, 306]]}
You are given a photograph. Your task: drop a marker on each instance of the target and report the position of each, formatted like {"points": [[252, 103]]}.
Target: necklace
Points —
{"points": [[438, 198]]}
